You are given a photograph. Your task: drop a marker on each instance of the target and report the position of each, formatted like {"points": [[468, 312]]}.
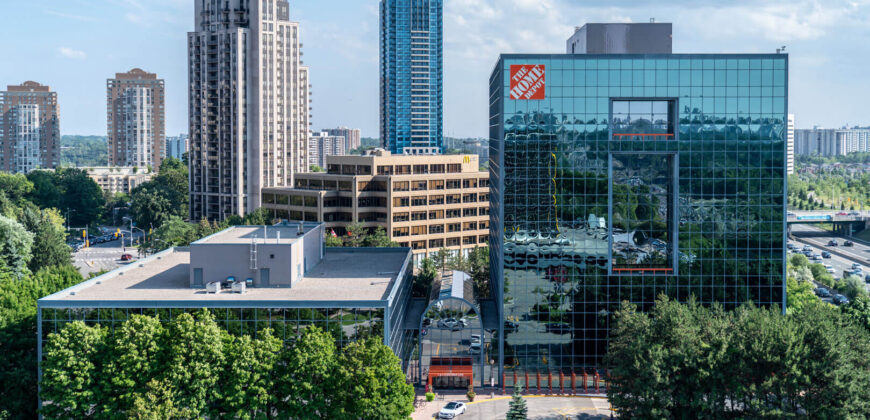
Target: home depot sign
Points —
{"points": [[528, 81]]}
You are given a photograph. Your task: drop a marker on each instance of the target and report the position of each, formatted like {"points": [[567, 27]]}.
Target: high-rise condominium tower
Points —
{"points": [[135, 119], [249, 104], [411, 75], [29, 128]]}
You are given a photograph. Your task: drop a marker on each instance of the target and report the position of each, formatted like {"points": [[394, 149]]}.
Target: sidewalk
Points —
{"points": [[428, 410]]}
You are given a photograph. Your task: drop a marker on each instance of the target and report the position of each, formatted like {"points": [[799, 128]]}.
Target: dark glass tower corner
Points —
{"points": [[622, 177]]}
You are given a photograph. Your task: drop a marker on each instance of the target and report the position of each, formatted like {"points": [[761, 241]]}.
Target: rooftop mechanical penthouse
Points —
{"points": [[621, 177]]}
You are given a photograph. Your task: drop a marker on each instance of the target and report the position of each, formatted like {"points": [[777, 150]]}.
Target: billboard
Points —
{"points": [[528, 81]]}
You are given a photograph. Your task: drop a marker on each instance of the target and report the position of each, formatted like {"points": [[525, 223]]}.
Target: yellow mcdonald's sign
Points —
{"points": [[466, 159]]}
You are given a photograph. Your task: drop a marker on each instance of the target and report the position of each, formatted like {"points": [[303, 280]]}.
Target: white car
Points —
{"points": [[451, 410], [475, 338], [474, 348]]}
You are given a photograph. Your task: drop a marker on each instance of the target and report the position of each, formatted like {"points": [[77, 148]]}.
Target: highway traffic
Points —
{"points": [[842, 252]]}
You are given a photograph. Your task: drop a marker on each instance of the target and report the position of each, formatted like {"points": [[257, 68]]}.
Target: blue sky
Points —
{"points": [[74, 45]]}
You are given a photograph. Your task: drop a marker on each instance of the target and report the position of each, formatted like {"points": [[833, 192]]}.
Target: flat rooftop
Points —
{"points": [[260, 234], [344, 276]]}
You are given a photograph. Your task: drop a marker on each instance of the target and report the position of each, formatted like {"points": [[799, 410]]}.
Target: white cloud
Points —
{"points": [[72, 53]]}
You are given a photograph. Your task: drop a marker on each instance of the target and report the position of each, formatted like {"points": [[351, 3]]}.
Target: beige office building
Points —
{"points": [[114, 180], [424, 202], [29, 128], [135, 119], [249, 105]]}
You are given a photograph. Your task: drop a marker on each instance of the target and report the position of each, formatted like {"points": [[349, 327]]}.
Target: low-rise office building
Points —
{"points": [[424, 202], [114, 180], [251, 278]]}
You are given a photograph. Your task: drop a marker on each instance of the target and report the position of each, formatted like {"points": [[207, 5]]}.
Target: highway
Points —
{"points": [[818, 239]]}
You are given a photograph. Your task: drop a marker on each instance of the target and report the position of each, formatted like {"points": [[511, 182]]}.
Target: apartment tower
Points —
{"points": [[135, 119], [411, 66], [29, 128], [249, 104], [351, 136]]}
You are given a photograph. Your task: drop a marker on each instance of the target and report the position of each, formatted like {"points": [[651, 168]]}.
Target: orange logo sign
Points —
{"points": [[528, 81]]}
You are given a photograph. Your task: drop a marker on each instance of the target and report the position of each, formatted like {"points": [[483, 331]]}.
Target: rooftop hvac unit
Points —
{"points": [[213, 287], [239, 287]]}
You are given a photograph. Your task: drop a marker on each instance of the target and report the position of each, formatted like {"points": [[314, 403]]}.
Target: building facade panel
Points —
{"points": [[29, 128], [249, 105], [135, 119], [411, 67], [635, 176]]}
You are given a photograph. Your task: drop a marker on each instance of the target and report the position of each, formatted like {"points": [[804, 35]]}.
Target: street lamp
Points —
{"points": [[68, 210]]}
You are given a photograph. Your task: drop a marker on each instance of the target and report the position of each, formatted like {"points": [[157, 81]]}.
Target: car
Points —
{"points": [[822, 292], [789, 245], [427, 322], [856, 266], [475, 338], [816, 257], [867, 278], [463, 322], [833, 242], [848, 243], [126, 257], [842, 213], [447, 323], [451, 410], [839, 299], [854, 213], [559, 328], [790, 214], [808, 254], [807, 248], [826, 254], [511, 326], [474, 348], [830, 270]]}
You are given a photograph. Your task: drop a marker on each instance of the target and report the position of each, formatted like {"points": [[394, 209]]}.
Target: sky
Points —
{"points": [[75, 45]]}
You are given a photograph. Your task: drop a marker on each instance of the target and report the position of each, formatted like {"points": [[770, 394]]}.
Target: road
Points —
{"points": [[818, 239], [104, 256]]}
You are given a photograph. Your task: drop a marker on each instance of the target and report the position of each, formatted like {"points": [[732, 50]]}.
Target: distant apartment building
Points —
{"points": [[351, 137], [321, 145], [29, 128], [176, 146], [412, 69], [114, 180], [135, 119], [249, 105], [831, 141], [790, 145], [424, 202]]}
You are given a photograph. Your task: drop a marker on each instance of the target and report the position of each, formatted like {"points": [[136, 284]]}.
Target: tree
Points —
{"points": [[517, 409], [70, 371], [46, 192], [174, 232], [799, 295], [355, 235], [332, 241], [15, 186], [316, 168], [373, 384], [248, 381], [259, 217], [136, 356], [425, 277], [853, 287], [166, 195], [307, 379], [15, 246], [798, 260], [82, 194], [18, 329], [379, 239], [858, 311], [194, 360], [49, 238]]}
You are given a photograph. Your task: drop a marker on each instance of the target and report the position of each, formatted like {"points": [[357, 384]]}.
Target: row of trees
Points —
{"points": [[687, 359], [835, 189], [475, 264], [191, 368]]}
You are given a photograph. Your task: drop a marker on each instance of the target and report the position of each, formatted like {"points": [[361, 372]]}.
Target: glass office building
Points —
{"points": [[622, 177], [411, 67]]}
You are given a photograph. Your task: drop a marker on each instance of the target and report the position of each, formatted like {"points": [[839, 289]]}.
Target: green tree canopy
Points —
{"points": [[71, 372], [194, 360], [517, 409], [49, 238], [307, 381], [15, 246], [373, 384]]}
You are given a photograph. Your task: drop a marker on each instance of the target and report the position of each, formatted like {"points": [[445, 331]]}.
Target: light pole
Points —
{"points": [[68, 210]]}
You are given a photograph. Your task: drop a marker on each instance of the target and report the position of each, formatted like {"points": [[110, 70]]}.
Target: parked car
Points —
{"points": [[446, 323], [839, 299], [451, 410], [475, 338], [474, 348], [826, 254], [833, 242], [848, 243], [822, 292]]}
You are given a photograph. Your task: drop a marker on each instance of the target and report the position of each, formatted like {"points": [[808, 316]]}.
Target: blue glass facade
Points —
{"points": [[628, 177], [411, 66]]}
